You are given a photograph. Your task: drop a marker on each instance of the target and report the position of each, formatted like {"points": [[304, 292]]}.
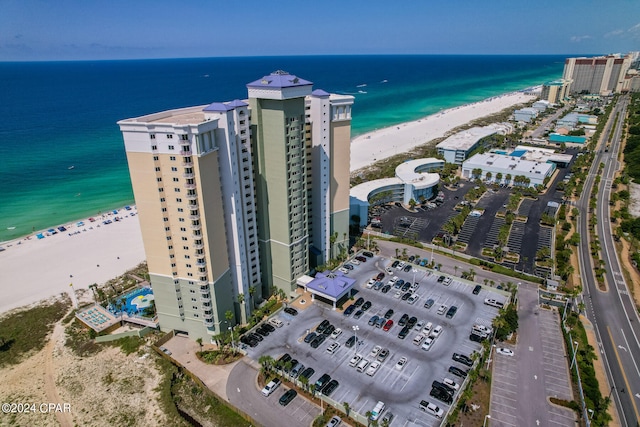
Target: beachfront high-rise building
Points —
{"points": [[601, 75], [555, 92], [239, 198]]}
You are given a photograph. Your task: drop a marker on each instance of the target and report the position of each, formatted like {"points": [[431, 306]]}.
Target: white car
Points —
{"points": [[427, 329], [451, 383], [418, 339], [370, 283], [412, 299], [392, 281], [428, 343], [400, 365], [436, 331], [433, 410], [414, 287], [401, 265], [333, 347], [336, 333], [270, 388], [343, 270], [442, 309], [398, 294], [419, 325], [355, 262], [355, 360], [374, 351], [389, 270], [504, 351], [373, 368]]}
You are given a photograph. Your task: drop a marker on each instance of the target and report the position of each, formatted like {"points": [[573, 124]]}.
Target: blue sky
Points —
{"points": [[123, 29]]}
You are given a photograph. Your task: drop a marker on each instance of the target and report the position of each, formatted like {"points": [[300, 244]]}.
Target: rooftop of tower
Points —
{"points": [[279, 79]]}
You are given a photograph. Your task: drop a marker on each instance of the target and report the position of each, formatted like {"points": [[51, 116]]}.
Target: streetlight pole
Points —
{"points": [[356, 328], [485, 420], [575, 350]]}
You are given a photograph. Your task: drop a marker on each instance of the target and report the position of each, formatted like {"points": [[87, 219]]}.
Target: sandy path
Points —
{"points": [[64, 418]]}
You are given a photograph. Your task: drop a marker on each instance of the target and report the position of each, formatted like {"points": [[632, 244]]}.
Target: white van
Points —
{"points": [[362, 365], [274, 321], [494, 302], [377, 411]]}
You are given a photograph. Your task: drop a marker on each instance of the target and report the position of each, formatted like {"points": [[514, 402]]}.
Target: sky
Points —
{"points": [[43, 30]]}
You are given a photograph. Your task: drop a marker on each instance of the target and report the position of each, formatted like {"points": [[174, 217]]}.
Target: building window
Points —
{"points": [[154, 147], [157, 169], [172, 158], [160, 190], [177, 180], [184, 239], [184, 137], [167, 228], [180, 209], [179, 201], [165, 219], [162, 199], [172, 256], [183, 229], [176, 189], [164, 209], [159, 179], [168, 237], [156, 158], [187, 257], [169, 136], [181, 219], [173, 169], [152, 136], [170, 247]]}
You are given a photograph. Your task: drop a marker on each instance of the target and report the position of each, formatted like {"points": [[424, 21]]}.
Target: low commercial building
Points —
{"points": [[525, 115], [415, 179], [456, 148], [504, 169]]}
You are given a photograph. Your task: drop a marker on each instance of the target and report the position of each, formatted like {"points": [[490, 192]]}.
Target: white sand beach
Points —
{"points": [[380, 144], [34, 269]]}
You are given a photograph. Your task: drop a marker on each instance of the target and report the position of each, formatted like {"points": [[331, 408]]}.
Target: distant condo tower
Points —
{"points": [[600, 75], [239, 199]]}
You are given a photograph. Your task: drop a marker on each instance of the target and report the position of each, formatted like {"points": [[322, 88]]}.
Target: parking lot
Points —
{"points": [[400, 389]]}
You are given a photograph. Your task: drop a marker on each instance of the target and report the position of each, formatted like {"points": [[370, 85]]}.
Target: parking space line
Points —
{"points": [[507, 414]]}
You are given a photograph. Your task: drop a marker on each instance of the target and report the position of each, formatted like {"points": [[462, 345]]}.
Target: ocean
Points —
{"points": [[62, 155]]}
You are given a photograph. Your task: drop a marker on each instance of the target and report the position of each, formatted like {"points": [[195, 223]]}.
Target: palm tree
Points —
{"points": [[488, 176], [368, 414], [507, 178], [267, 363], [252, 291], [412, 203], [472, 274], [305, 382], [455, 269], [499, 176], [199, 341], [241, 299], [347, 408]]}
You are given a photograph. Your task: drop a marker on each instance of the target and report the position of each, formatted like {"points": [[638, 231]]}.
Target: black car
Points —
{"points": [[359, 302], [260, 330], [307, 373], [451, 312], [411, 258], [284, 359], [329, 330], [403, 320], [361, 259], [437, 384], [441, 395], [462, 359], [368, 254], [412, 322], [405, 287], [288, 397], [256, 337], [322, 381], [318, 340], [385, 289], [322, 326], [441, 279], [458, 372], [358, 314], [366, 306], [350, 342], [388, 314], [310, 337], [348, 266], [292, 311], [407, 268], [404, 332], [268, 327], [349, 310], [395, 264], [380, 276], [406, 296], [248, 340], [477, 289], [477, 338], [330, 388]]}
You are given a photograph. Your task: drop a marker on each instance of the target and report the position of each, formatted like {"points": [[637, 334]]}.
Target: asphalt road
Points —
{"points": [[612, 313]]}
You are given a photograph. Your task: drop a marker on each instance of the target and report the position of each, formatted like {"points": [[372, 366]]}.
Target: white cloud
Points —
{"points": [[614, 33], [578, 39]]}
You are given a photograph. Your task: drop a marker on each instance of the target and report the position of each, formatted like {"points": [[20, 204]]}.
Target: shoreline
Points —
{"points": [[376, 145], [94, 252]]}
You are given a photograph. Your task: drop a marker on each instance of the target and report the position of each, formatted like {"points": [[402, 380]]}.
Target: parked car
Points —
{"points": [[387, 325], [322, 381], [318, 340], [385, 289], [373, 320], [361, 259], [359, 302], [477, 289], [412, 299], [380, 276], [355, 360], [435, 333], [322, 326], [451, 384], [334, 421], [358, 314], [350, 342], [466, 360], [374, 351], [382, 356], [407, 268], [368, 254], [403, 320], [349, 310], [271, 386], [441, 395], [373, 368], [292, 311], [336, 333], [412, 322], [307, 373], [395, 264], [288, 397], [429, 303], [330, 388], [504, 351], [404, 332], [401, 363], [458, 372], [432, 409], [388, 314], [310, 337], [428, 343], [451, 312], [366, 306]]}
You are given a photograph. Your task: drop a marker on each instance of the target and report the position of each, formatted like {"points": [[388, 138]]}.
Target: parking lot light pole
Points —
{"points": [[575, 350], [356, 328], [485, 420]]}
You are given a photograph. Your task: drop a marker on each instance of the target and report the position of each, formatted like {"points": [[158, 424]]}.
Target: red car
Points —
{"points": [[361, 258], [380, 276], [387, 325]]}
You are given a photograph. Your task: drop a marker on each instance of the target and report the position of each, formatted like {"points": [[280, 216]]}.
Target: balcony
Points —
{"points": [[187, 164], [188, 175], [196, 227], [205, 298], [193, 206], [208, 323], [208, 317], [185, 142], [190, 186], [194, 217], [186, 153], [204, 289], [198, 246], [191, 196]]}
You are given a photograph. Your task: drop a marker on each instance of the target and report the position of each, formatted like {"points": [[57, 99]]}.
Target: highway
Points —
{"points": [[613, 312]]}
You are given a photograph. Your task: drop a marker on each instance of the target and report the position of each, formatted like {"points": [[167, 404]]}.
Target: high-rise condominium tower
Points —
{"points": [[239, 198]]}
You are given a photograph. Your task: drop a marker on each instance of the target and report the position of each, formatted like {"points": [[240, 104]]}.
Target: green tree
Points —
{"points": [[199, 341], [252, 291], [412, 203], [347, 408]]}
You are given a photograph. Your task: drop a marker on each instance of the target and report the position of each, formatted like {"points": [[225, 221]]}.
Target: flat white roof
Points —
{"points": [[508, 164], [362, 191], [466, 139], [543, 154]]}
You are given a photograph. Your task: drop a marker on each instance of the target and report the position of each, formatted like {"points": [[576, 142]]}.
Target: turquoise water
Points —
{"points": [[62, 155]]}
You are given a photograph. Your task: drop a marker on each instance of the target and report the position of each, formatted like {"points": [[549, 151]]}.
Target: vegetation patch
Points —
{"points": [[219, 357], [23, 332]]}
